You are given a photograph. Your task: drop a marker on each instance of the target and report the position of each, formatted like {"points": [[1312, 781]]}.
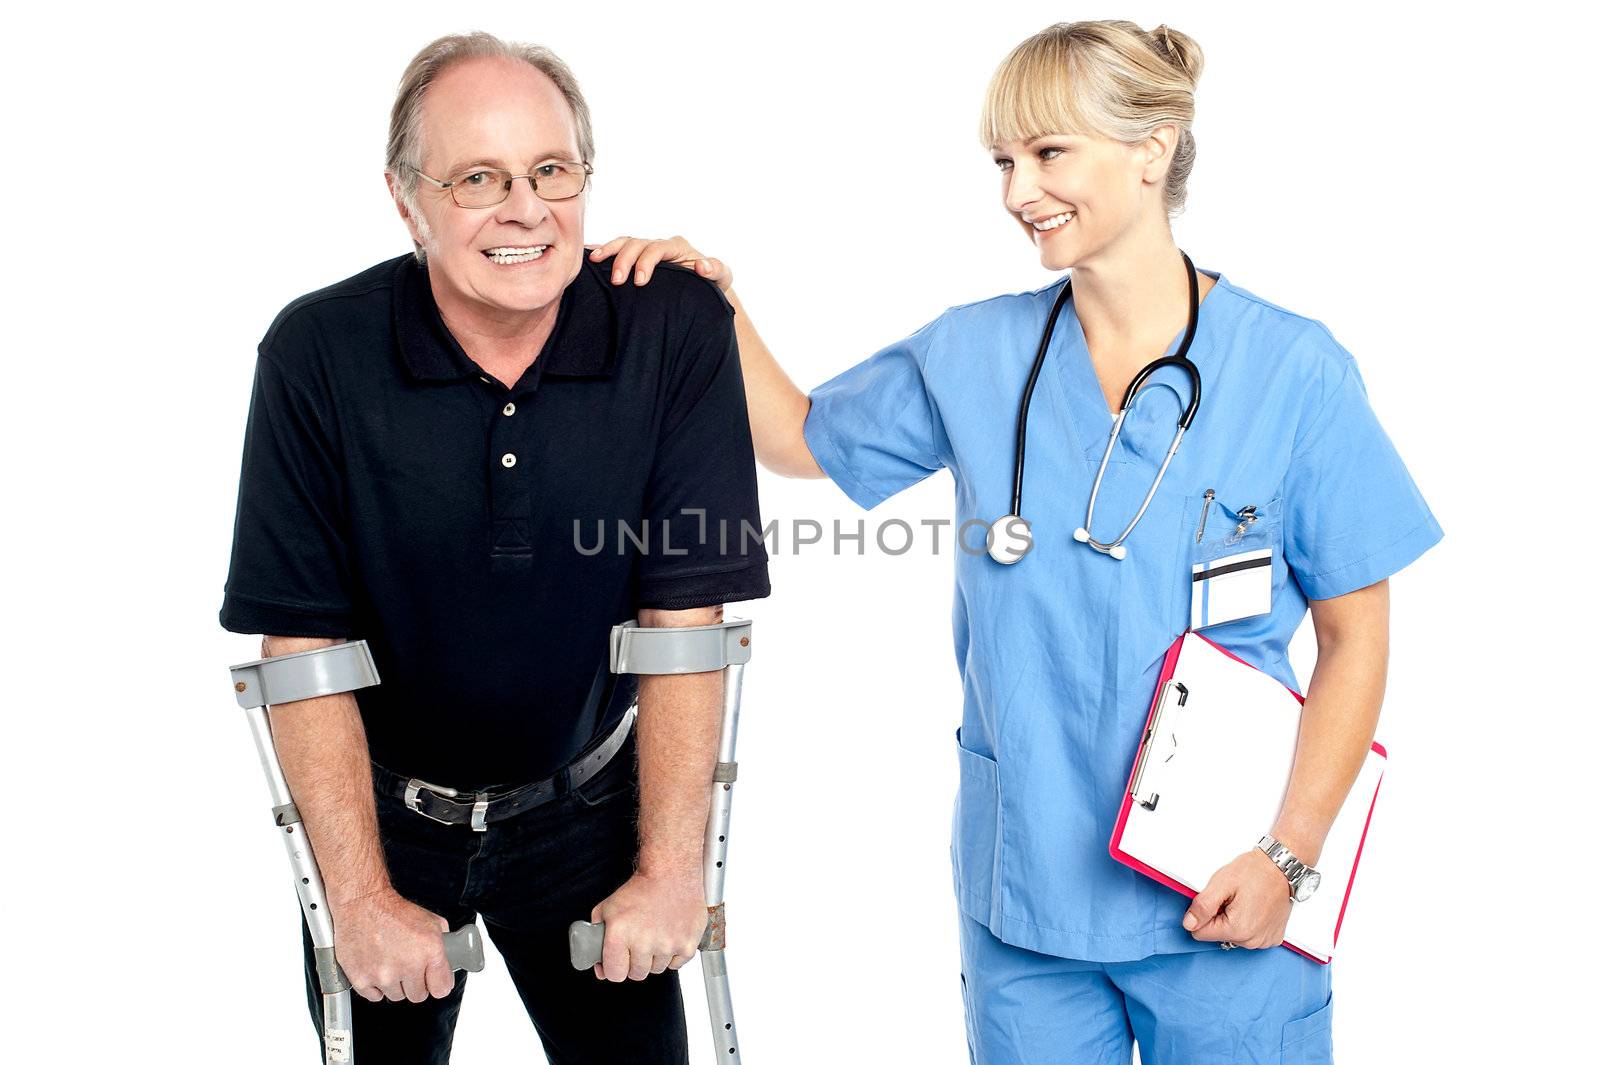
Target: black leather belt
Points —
{"points": [[481, 809]]}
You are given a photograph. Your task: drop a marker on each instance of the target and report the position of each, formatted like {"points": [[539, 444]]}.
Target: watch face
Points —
{"points": [[1308, 886]]}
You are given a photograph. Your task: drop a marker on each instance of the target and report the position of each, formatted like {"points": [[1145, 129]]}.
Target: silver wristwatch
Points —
{"points": [[1303, 880]]}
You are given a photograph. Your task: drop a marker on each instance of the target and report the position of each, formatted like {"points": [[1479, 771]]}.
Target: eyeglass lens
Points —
{"points": [[485, 187]]}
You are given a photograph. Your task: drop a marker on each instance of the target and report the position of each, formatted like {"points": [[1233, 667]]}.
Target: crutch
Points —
{"points": [[332, 670], [692, 649]]}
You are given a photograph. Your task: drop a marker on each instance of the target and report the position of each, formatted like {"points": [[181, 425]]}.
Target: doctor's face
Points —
{"points": [[503, 114], [1074, 194]]}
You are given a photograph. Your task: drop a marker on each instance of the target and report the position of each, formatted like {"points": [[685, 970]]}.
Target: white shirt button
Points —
{"points": [[509, 409], [508, 460]]}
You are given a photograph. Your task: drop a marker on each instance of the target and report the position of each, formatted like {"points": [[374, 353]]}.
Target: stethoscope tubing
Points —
{"points": [[1027, 396], [1180, 360]]}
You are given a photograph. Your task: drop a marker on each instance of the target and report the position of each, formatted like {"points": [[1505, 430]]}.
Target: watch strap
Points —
{"points": [[1293, 869]]}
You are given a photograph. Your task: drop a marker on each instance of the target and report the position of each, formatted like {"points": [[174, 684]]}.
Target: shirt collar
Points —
{"points": [[583, 344]]}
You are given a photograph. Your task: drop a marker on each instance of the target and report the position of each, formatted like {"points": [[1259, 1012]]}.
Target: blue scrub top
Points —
{"points": [[1059, 654]]}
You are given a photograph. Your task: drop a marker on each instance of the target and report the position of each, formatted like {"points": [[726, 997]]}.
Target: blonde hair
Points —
{"points": [[405, 119], [1107, 78]]}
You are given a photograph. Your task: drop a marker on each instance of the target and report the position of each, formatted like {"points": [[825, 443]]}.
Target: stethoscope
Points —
{"points": [[1002, 534]]}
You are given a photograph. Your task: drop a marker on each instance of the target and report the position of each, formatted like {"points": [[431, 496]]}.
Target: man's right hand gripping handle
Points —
{"points": [[391, 948]]}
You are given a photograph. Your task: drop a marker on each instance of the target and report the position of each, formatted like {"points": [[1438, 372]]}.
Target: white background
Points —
{"points": [[1420, 180]]}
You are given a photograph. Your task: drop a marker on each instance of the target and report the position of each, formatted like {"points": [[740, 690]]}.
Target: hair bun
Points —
{"points": [[1181, 50]]}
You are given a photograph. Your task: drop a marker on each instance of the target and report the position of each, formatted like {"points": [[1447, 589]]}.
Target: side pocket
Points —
{"points": [[976, 835], [972, 1022], [1309, 1040]]}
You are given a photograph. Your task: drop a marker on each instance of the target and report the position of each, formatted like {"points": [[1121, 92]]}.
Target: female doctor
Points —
{"points": [[1068, 955]]}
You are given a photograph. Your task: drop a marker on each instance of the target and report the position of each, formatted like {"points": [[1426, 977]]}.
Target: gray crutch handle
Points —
{"points": [[587, 942], [463, 949]]}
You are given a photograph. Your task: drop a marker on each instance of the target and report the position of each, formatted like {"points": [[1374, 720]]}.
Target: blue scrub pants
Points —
{"points": [[1209, 1007]]}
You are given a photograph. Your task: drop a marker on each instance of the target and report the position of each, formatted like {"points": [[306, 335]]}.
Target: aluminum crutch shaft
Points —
{"points": [[713, 962], [289, 678], [693, 649]]}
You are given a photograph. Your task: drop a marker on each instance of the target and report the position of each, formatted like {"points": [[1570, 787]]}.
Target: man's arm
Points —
{"points": [[387, 946], [655, 920]]}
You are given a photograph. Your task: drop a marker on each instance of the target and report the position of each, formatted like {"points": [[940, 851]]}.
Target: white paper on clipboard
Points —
{"points": [[1216, 768]]}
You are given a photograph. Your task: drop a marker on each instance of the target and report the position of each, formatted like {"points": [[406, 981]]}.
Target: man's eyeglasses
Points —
{"points": [[483, 186]]}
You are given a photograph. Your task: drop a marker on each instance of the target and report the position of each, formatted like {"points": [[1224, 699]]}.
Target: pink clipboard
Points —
{"points": [[1356, 814]]}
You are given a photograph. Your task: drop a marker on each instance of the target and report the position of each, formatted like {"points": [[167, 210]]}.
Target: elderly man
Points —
{"points": [[426, 441]]}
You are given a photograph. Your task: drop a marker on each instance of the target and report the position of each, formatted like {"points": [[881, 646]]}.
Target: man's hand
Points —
{"points": [[1246, 903], [652, 924], [391, 948], [639, 256]]}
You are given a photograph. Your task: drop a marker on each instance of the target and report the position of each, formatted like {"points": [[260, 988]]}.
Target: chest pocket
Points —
{"points": [[1234, 545]]}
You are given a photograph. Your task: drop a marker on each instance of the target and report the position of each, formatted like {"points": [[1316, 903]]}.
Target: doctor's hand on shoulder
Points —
{"points": [[639, 256], [1246, 903]]}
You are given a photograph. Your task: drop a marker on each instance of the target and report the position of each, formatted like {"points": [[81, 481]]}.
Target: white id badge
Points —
{"points": [[1230, 588]]}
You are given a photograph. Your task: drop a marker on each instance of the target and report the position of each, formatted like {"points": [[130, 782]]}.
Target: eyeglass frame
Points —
{"points": [[533, 182]]}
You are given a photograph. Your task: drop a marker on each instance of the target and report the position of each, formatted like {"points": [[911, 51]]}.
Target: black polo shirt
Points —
{"points": [[394, 491]]}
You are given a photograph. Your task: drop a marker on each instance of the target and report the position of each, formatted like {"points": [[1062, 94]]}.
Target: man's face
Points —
{"points": [[498, 113]]}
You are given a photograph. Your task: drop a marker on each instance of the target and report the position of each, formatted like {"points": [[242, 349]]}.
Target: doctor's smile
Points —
{"points": [[1052, 223]]}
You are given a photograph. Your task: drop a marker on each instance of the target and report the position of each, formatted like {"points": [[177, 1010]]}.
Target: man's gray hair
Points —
{"points": [[405, 120]]}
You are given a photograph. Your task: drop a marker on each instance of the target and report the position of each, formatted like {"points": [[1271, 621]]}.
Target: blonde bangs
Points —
{"points": [[1107, 79], [1033, 94]]}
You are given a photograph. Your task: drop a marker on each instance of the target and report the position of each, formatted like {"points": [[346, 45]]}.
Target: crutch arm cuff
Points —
{"points": [[331, 670], [679, 648]]}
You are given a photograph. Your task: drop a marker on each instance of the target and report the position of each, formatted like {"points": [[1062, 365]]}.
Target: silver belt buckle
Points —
{"points": [[414, 788]]}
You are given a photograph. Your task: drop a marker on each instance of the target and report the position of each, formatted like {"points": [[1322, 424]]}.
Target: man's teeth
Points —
{"points": [[1054, 223], [516, 255]]}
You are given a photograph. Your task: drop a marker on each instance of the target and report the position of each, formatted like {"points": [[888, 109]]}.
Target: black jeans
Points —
{"points": [[528, 878]]}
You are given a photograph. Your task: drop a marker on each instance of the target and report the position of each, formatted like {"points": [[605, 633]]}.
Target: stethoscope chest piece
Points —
{"points": [[1010, 539]]}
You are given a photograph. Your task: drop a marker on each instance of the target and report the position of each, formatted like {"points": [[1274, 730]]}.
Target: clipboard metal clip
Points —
{"points": [[1149, 800]]}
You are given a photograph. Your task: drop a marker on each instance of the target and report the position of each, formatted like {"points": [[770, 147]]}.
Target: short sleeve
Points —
{"points": [[874, 429], [1352, 514], [289, 572], [701, 504]]}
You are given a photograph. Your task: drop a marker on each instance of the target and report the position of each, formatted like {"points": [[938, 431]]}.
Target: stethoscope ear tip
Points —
{"points": [[1116, 551]]}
